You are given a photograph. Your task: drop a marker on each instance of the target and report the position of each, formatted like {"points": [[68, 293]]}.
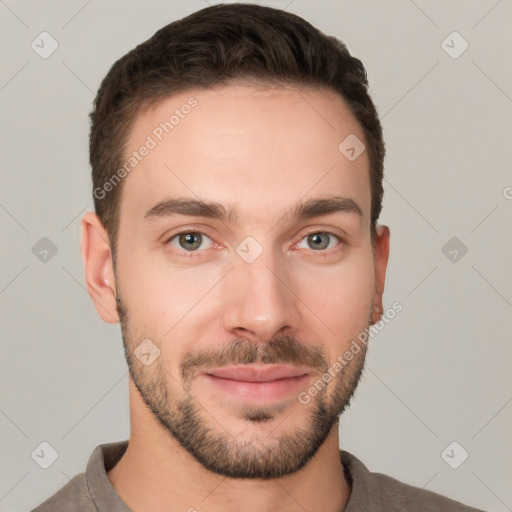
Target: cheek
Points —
{"points": [[162, 299], [340, 295]]}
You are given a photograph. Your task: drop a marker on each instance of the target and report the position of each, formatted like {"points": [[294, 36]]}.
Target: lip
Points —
{"points": [[258, 383], [258, 373]]}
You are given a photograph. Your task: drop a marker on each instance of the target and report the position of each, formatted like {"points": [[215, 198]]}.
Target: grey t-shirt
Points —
{"points": [[92, 491]]}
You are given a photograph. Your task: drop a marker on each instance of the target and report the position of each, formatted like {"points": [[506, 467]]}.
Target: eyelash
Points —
{"points": [[191, 254]]}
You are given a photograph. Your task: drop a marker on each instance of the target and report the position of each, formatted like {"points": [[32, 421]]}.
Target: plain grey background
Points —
{"points": [[439, 373]]}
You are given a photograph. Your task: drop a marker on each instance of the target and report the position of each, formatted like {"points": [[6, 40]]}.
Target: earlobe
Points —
{"points": [[98, 267], [380, 259]]}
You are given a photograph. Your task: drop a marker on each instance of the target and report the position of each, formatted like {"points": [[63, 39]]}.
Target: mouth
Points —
{"points": [[258, 383]]}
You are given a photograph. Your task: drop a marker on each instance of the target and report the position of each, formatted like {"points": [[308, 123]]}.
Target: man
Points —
{"points": [[237, 165]]}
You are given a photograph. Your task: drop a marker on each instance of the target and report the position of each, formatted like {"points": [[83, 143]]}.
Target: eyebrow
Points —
{"points": [[301, 211]]}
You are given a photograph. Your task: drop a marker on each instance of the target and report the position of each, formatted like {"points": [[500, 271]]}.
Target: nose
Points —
{"points": [[259, 300]]}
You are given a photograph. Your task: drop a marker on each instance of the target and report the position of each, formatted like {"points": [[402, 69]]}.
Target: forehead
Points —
{"points": [[262, 149]]}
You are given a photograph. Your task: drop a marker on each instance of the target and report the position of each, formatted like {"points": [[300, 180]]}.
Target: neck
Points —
{"points": [[157, 473]]}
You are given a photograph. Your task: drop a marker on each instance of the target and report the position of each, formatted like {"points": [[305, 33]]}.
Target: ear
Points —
{"points": [[98, 267], [380, 262]]}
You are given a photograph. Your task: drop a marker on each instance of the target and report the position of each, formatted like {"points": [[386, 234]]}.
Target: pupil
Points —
{"points": [[188, 240], [317, 242]]}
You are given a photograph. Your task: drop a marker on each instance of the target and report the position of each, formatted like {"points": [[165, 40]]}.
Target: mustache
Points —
{"points": [[279, 350]]}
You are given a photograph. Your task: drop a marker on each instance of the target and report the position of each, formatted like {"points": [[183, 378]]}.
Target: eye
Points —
{"points": [[320, 240], [190, 240]]}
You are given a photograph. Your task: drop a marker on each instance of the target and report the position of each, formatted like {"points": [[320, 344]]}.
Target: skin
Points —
{"points": [[261, 150]]}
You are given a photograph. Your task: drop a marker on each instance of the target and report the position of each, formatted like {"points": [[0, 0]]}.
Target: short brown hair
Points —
{"points": [[218, 45]]}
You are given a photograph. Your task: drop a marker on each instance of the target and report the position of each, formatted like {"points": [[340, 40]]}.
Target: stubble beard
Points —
{"points": [[262, 456]]}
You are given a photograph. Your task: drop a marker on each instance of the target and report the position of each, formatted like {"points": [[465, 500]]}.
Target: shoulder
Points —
{"points": [[91, 490], [72, 497], [376, 491]]}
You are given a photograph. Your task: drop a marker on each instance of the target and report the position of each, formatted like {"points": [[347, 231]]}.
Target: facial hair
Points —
{"points": [[263, 457]]}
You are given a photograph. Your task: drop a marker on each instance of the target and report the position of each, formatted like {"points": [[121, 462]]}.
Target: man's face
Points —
{"points": [[257, 288]]}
